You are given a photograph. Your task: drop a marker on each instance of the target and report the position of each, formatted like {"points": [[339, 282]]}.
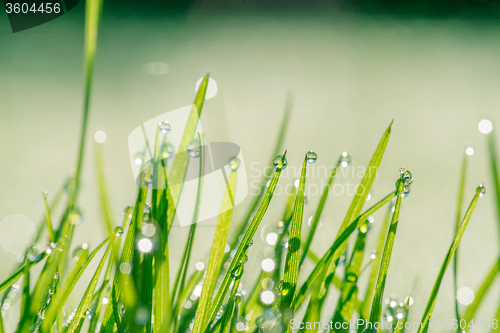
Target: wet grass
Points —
{"points": [[131, 291]]}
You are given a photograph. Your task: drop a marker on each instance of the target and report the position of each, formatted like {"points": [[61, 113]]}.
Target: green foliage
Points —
{"points": [[130, 289]]}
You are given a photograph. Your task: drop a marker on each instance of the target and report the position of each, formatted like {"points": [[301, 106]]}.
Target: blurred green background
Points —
{"points": [[353, 67]]}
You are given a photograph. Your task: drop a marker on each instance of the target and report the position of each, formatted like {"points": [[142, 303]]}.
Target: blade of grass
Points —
{"points": [[386, 256], [52, 235], [61, 297], [215, 260], [432, 299], [461, 193], [315, 274], [293, 252], [318, 295], [247, 237], [318, 212], [103, 192], [470, 311], [181, 273], [17, 274], [349, 290], [180, 163], [370, 290], [79, 317], [93, 10]]}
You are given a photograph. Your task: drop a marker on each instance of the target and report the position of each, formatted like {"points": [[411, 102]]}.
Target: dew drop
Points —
{"points": [[234, 163], [79, 251], [167, 150], [277, 163], [345, 160], [165, 127], [243, 259], [311, 157], [118, 231], [75, 217], [481, 190], [193, 148]]}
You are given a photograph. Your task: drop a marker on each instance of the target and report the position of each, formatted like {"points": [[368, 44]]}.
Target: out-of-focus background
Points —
{"points": [[352, 66]]}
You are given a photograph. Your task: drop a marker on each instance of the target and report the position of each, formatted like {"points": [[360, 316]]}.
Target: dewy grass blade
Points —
{"points": [[461, 193], [293, 253], [52, 235], [319, 210], [470, 311], [495, 172], [181, 273], [103, 192], [302, 294], [262, 189], [401, 186], [247, 238], [93, 10], [180, 163], [17, 274], [79, 317], [320, 291], [61, 297], [106, 284], [216, 255], [367, 302], [432, 299], [349, 289]]}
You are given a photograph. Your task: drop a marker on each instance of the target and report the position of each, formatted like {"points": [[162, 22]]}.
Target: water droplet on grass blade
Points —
{"points": [[311, 157], [165, 127], [345, 160], [481, 190], [234, 163], [167, 150], [118, 231], [193, 148], [75, 217], [277, 163]]}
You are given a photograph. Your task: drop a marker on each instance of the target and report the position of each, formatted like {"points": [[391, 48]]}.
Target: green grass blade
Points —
{"points": [[52, 235], [103, 192], [17, 274], [370, 290], [107, 320], [494, 172], [461, 194], [106, 284], [320, 291], [319, 210], [216, 255], [386, 256], [293, 252], [180, 163], [79, 317], [247, 238], [61, 297], [181, 273], [349, 290], [432, 299], [318, 269], [92, 15], [470, 311]]}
